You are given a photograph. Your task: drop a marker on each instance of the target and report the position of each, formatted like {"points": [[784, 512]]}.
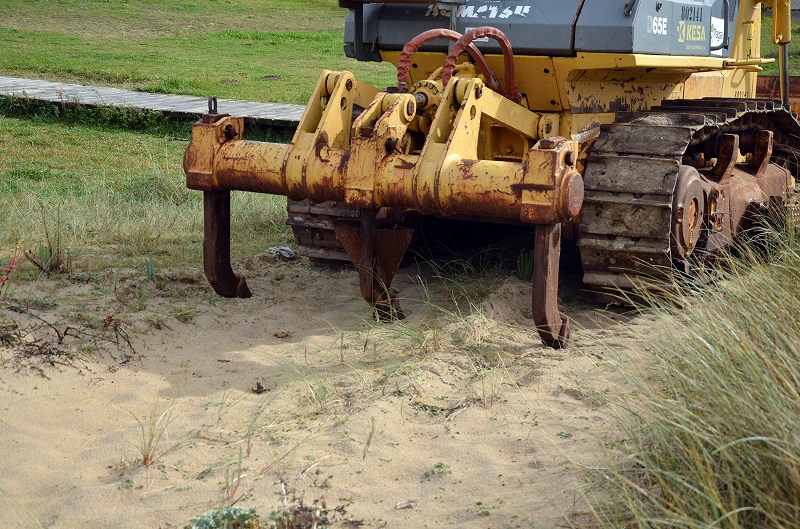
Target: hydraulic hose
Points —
{"points": [[403, 75]]}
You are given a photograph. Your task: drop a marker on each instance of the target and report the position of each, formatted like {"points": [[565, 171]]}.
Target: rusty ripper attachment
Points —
{"points": [[405, 150]]}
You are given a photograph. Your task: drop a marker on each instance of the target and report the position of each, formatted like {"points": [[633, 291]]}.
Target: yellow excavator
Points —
{"points": [[629, 126]]}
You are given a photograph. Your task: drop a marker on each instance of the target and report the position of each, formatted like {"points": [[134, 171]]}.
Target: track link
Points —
{"points": [[312, 225], [631, 176]]}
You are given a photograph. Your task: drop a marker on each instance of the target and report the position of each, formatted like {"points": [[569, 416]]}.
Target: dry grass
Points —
{"points": [[153, 434], [110, 193], [716, 431]]}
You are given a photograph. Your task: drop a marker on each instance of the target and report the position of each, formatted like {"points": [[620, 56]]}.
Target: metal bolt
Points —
{"points": [[349, 85], [478, 92], [410, 108]]}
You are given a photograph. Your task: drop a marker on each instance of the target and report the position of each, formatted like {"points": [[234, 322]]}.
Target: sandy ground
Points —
{"points": [[456, 417]]}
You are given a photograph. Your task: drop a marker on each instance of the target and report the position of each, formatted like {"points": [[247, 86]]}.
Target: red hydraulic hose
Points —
{"points": [[508, 57], [413, 46]]}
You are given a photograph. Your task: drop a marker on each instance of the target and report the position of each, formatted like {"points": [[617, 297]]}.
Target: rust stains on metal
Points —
{"points": [[404, 164], [342, 168], [321, 144]]}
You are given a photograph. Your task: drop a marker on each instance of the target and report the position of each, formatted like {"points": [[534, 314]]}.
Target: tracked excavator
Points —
{"points": [[629, 126]]}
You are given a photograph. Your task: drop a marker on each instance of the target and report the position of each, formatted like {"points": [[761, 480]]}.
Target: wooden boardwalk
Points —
{"points": [[278, 115]]}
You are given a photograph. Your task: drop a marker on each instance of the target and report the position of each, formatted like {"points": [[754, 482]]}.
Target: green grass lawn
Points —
{"points": [[771, 51], [237, 49], [231, 49]]}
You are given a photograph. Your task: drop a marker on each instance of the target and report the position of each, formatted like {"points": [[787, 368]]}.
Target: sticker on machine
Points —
{"points": [[499, 10], [717, 35]]}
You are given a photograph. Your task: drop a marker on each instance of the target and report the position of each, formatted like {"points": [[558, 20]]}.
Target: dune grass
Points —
{"points": [[716, 433]]}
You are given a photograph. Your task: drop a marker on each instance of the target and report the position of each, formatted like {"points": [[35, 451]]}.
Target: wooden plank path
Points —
{"points": [[279, 115]]}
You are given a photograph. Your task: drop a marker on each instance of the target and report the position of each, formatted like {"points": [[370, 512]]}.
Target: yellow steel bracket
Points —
{"points": [[426, 173], [781, 20], [450, 178], [451, 149], [552, 190], [323, 137], [208, 135], [378, 134]]}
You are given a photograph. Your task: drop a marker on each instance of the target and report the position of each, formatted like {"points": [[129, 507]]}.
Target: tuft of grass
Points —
{"points": [[716, 432], [525, 264], [5, 279], [50, 257], [152, 432]]}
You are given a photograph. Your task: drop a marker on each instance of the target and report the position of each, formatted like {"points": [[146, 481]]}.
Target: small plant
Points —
{"points": [[439, 470], [295, 514], [316, 391], [252, 424], [141, 297], [483, 510], [233, 479], [226, 403], [5, 284], [525, 264], [149, 268], [151, 433], [227, 518], [50, 257]]}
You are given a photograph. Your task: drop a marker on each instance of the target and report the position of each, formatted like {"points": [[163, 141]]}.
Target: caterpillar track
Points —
{"points": [[312, 225], [628, 222]]}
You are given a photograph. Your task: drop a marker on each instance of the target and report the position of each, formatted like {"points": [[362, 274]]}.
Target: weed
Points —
{"points": [[226, 403], [149, 268], [233, 479], [316, 391], [141, 298], [295, 514], [5, 280], [483, 510], [369, 438], [253, 423], [151, 434], [50, 257], [525, 264], [227, 518], [439, 470]]}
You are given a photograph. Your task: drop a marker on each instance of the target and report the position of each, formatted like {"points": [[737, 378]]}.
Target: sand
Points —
{"points": [[456, 417]]}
